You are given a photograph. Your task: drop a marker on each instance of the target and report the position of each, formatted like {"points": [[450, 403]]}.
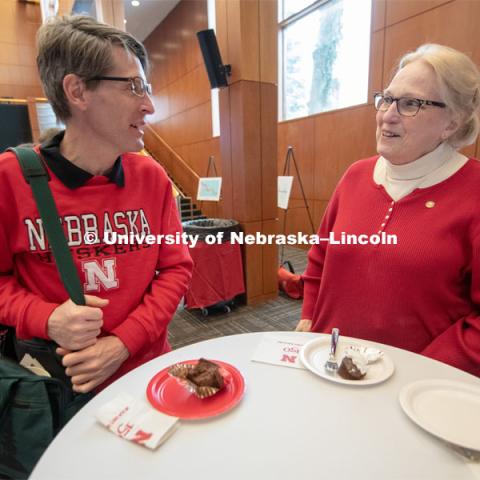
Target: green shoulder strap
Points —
{"points": [[36, 175]]}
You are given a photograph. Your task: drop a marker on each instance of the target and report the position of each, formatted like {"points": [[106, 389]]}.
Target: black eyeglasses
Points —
{"points": [[137, 84], [406, 106]]}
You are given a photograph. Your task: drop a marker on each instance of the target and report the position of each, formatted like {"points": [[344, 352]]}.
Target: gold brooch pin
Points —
{"points": [[430, 204]]}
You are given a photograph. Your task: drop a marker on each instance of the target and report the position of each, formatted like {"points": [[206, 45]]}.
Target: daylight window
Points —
{"points": [[324, 50]]}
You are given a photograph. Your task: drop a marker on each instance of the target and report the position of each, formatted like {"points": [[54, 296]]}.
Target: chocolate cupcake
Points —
{"points": [[204, 378], [206, 374], [353, 366]]}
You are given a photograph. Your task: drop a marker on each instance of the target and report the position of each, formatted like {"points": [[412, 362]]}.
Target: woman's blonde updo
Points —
{"points": [[460, 79]]}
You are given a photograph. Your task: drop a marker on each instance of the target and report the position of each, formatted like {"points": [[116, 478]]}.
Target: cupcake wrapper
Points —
{"points": [[180, 372]]}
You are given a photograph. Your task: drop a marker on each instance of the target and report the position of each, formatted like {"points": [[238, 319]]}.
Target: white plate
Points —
{"points": [[314, 354], [447, 409]]}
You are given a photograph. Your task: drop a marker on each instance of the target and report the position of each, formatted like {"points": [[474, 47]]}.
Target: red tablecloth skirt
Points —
{"points": [[217, 274]]}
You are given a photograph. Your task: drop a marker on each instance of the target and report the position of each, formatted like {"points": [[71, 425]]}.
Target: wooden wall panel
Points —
{"points": [[341, 137], [250, 166], [297, 216], [111, 12], [300, 135], [226, 155], [19, 23], [268, 148], [173, 46], [268, 49], [197, 155], [262, 262], [375, 81], [161, 101], [249, 134], [222, 30], [399, 10], [65, 7], [183, 115], [33, 117], [199, 120], [378, 14], [430, 27]]}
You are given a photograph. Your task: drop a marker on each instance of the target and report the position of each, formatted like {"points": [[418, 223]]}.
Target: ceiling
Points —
{"points": [[141, 20]]}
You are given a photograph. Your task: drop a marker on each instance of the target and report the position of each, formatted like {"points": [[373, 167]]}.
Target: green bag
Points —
{"points": [[33, 410]]}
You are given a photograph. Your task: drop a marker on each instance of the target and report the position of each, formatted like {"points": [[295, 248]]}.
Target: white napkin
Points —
{"points": [[278, 351], [137, 421]]}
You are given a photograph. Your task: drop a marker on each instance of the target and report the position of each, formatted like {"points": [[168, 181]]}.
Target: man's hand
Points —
{"points": [[304, 326], [74, 327], [91, 366]]}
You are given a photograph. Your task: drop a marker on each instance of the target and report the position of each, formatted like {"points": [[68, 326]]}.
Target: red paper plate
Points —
{"points": [[167, 395]]}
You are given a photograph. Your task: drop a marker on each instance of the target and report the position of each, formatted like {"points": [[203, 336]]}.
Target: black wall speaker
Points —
{"points": [[217, 72]]}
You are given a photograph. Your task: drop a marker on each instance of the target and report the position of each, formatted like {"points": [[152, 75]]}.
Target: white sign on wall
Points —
{"points": [[284, 189], [209, 188]]}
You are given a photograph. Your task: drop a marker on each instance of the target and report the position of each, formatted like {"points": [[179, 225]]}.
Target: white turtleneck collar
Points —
{"points": [[432, 168]]}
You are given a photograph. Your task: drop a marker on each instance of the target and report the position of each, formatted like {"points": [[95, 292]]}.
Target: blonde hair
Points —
{"points": [[79, 45], [460, 78]]}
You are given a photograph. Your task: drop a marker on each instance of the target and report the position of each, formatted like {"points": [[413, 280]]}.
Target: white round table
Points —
{"points": [[290, 424]]}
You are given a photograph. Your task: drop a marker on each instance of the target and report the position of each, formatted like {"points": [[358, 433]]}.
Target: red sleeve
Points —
{"points": [[150, 319], [316, 256], [459, 345], [22, 309], [19, 307]]}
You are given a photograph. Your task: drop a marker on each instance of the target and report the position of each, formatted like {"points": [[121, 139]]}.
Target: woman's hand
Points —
{"points": [[304, 326]]}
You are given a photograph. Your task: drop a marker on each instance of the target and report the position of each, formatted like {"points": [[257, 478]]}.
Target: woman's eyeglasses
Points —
{"points": [[137, 84], [406, 106]]}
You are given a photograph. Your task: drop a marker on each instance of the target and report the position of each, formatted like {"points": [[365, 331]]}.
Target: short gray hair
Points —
{"points": [[79, 45], [461, 81]]}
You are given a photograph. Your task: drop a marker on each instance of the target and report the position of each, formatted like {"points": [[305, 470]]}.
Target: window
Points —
{"points": [[85, 7], [324, 50]]}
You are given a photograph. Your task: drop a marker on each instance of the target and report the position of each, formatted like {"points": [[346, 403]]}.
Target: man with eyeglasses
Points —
{"points": [[421, 291], [94, 76]]}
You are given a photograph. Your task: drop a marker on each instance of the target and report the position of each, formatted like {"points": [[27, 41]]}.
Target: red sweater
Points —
{"points": [[422, 294], [142, 302]]}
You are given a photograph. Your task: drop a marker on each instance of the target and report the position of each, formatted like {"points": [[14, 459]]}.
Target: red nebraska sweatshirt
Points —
{"points": [[143, 282]]}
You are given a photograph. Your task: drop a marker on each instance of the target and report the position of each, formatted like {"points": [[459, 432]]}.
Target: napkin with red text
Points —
{"points": [[276, 351], [136, 421]]}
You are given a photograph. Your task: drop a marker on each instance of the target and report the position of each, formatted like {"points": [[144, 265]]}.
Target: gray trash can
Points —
{"points": [[211, 226]]}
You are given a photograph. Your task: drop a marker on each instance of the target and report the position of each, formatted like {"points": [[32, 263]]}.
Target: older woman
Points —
{"points": [[423, 293]]}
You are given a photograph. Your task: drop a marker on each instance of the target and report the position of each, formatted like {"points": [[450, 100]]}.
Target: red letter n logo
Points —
{"points": [[288, 358]]}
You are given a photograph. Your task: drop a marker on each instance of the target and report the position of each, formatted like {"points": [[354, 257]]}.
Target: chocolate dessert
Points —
{"points": [[353, 367], [206, 374]]}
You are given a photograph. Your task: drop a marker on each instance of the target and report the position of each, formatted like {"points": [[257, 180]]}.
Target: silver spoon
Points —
{"points": [[331, 365]]}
